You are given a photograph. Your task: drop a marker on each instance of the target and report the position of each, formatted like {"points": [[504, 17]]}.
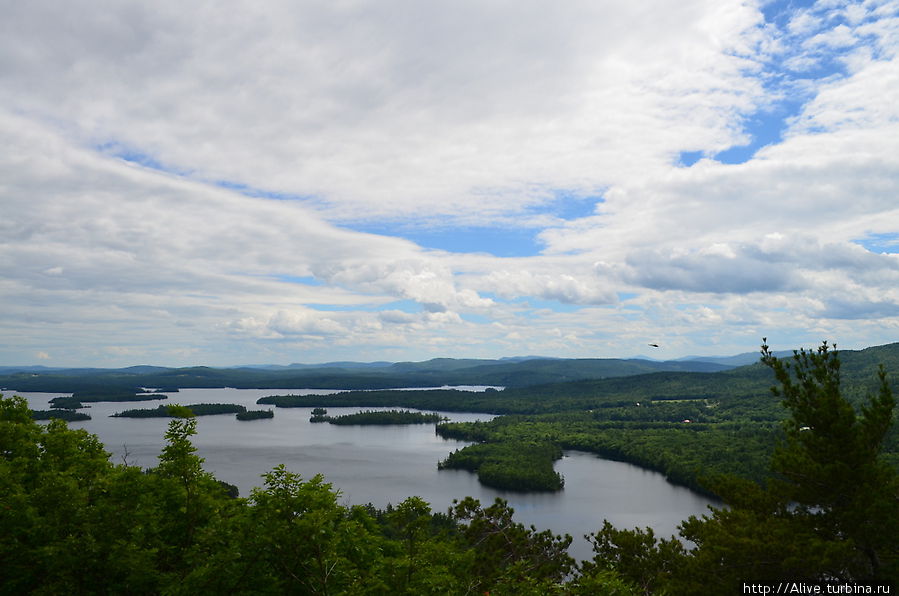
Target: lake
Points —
{"points": [[386, 464]]}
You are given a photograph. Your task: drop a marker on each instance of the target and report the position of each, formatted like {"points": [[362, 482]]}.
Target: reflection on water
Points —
{"points": [[386, 464]]}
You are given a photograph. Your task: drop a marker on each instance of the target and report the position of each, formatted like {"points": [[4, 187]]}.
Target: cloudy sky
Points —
{"points": [[271, 182]]}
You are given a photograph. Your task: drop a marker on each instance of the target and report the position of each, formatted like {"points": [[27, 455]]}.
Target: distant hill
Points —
{"points": [[744, 391], [507, 372], [297, 365], [738, 360]]}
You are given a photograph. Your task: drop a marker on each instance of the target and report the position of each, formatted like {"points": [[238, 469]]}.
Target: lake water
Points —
{"points": [[386, 464]]}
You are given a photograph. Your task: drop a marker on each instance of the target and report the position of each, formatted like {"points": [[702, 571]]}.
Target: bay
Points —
{"points": [[386, 464]]}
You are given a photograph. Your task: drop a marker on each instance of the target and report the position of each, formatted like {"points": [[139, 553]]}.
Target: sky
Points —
{"points": [[225, 183]]}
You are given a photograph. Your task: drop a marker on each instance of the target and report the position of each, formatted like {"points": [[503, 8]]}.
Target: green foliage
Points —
{"points": [[636, 556], [72, 522], [179, 411], [369, 417], [828, 508], [67, 415], [508, 555], [829, 465], [171, 411], [521, 466], [830, 511], [64, 525], [685, 453], [255, 415], [68, 403]]}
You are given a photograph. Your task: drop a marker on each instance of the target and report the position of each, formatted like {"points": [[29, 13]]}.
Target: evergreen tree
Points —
{"points": [[831, 509]]}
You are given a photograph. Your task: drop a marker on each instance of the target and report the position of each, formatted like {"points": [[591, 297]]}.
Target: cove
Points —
{"points": [[386, 464]]}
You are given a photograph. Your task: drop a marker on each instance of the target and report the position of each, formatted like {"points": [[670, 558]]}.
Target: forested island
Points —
{"points": [[370, 417], [826, 511], [78, 398], [179, 411], [255, 415], [510, 465], [67, 415]]}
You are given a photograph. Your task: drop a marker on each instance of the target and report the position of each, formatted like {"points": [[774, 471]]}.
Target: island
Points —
{"points": [[78, 398], [255, 415], [369, 417], [67, 415], [177, 411]]}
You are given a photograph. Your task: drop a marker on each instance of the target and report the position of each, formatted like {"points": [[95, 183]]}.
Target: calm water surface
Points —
{"points": [[386, 464]]}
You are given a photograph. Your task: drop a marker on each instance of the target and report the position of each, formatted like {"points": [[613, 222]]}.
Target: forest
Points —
{"points": [[826, 511]]}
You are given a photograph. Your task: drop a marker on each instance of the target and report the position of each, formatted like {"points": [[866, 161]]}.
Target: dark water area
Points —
{"points": [[386, 464]]}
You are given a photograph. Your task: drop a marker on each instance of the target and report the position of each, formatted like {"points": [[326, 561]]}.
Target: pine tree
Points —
{"points": [[830, 512]]}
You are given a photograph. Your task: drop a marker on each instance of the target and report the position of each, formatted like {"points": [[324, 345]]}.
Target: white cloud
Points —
{"points": [[577, 287], [303, 323], [840, 36], [409, 107], [440, 115]]}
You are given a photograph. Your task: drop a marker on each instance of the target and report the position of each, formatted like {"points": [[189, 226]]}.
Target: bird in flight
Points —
{"points": [[654, 345]]}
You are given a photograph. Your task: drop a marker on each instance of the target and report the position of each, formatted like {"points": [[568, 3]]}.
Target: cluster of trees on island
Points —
{"points": [[379, 417], [179, 411], [190, 410], [72, 521]]}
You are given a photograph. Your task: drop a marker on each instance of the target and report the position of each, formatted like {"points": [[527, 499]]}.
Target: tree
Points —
{"points": [[509, 556], [635, 555], [829, 469], [70, 521], [830, 512]]}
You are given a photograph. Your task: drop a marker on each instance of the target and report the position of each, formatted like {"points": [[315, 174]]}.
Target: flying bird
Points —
{"points": [[654, 345]]}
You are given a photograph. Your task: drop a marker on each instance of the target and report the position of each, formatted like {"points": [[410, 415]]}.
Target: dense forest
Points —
{"points": [[71, 521]]}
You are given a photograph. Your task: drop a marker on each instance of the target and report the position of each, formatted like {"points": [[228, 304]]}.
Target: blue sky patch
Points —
{"points": [[474, 318], [688, 158], [531, 303], [786, 79], [307, 280], [251, 191], [569, 205], [780, 12], [765, 127], [553, 305], [497, 241], [137, 157], [880, 243], [407, 306]]}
